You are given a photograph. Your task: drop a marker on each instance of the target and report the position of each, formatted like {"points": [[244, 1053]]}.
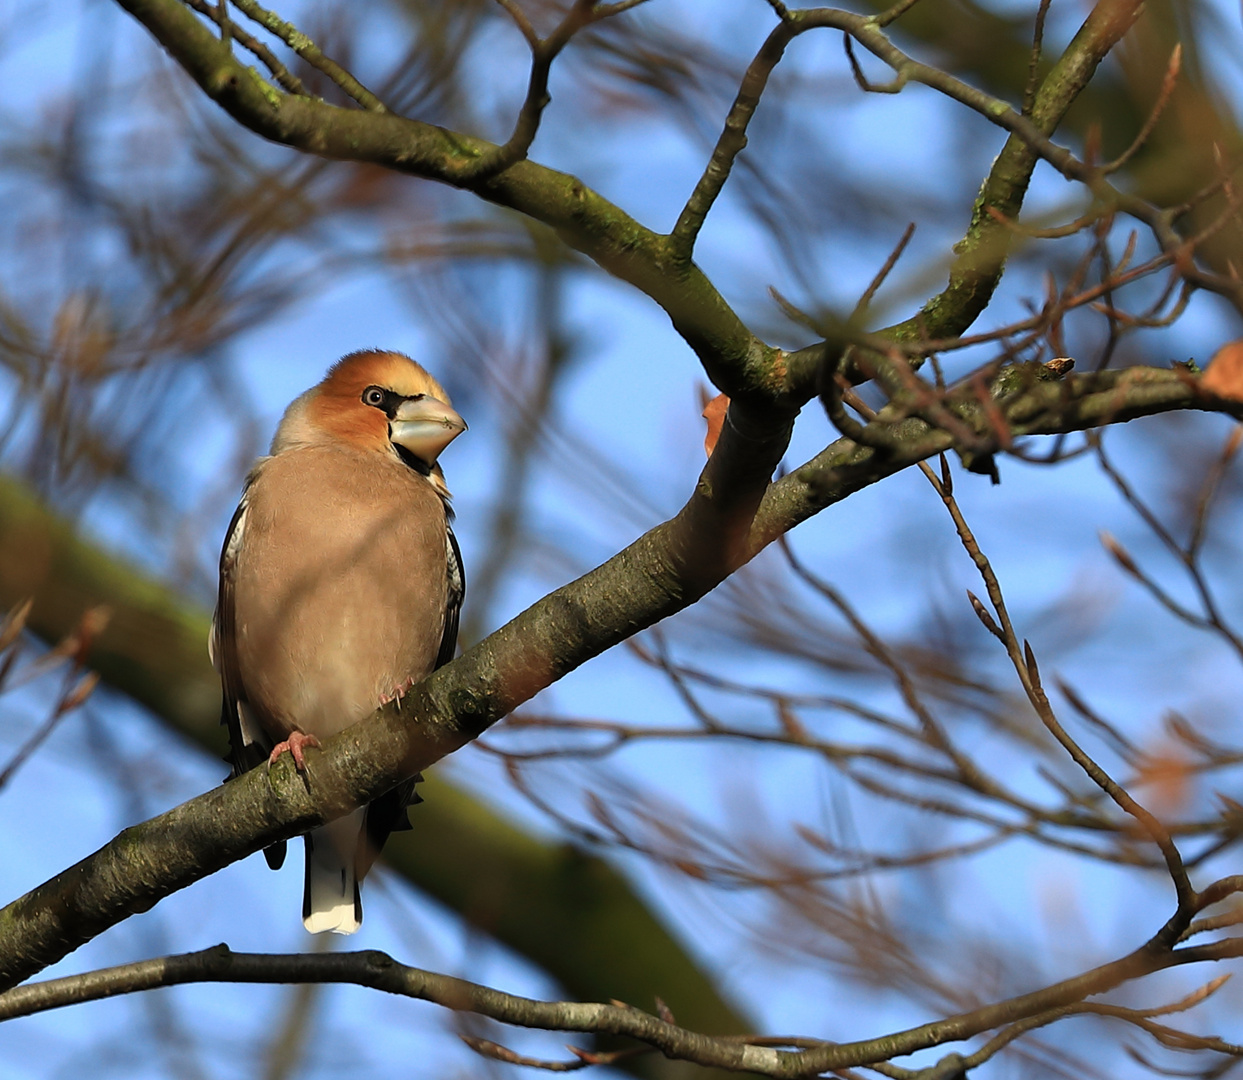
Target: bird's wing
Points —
{"points": [[247, 743], [453, 601], [248, 746]]}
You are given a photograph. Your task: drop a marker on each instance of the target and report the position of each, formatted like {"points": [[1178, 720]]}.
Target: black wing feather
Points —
{"points": [[243, 755], [453, 604]]}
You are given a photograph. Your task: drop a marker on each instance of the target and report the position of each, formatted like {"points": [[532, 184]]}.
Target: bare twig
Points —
{"points": [[544, 51], [76, 686], [869, 294], [1211, 617], [496, 1052], [1024, 661], [862, 81], [733, 137], [1212, 481], [1033, 63], [895, 12], [310, 52], [280, 73], [1163, 98]]}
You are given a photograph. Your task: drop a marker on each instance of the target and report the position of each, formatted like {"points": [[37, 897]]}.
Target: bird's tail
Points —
{"points": [[330, 898]]}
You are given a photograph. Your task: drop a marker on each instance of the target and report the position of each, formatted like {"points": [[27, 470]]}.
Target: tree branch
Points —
{"points": [[735, 360], [543, 52], [980, 256], [731, 516], [310, 52], [733, 138], [757, 1054], [1076, 403]]}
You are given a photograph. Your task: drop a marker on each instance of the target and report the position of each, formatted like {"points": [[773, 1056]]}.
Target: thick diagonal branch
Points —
{"points": [[661, 573], [732, 515]]}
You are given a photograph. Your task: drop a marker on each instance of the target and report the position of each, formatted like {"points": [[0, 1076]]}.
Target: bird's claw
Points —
{"points": [[398, 692], [294, 744]]}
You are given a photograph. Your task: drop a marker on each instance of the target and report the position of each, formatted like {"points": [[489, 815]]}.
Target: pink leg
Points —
{"points": [[294, 744]]}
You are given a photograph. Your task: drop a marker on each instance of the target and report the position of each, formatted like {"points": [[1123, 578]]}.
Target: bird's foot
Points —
{"points": [[294, 744], [398, 692]]}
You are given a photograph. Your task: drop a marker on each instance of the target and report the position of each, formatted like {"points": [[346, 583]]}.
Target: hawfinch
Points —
{"points": [[340, 584]]}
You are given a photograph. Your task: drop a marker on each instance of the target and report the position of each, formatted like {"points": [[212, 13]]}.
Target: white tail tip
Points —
{"points": [[330, 898]]}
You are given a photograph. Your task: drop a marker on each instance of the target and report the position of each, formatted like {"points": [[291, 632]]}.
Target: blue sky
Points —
{"points": [[633, 398]]}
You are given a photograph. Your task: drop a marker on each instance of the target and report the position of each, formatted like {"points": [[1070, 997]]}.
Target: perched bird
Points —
{"points": [[340, 585]]}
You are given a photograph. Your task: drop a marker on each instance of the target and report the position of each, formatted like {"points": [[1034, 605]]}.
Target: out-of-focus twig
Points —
{"points": [[76, 685]]}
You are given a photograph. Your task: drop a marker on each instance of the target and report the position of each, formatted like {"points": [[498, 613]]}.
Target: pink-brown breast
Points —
{"points": [[340, 586]]}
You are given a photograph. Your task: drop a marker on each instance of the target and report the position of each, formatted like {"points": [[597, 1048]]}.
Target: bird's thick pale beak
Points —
{"points": [[425, 426]]}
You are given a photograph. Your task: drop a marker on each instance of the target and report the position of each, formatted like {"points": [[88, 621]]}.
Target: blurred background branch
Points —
{"points": [[818, 799]]}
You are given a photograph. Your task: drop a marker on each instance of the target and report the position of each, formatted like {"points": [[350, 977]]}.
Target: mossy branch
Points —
{"points": [[731, 516]]}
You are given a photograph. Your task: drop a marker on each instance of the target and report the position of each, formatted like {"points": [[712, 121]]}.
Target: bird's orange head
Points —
{"points": [[374, 400]]}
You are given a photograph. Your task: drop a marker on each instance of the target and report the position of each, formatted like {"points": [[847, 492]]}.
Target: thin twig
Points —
{"points": [[515, 12], [544, 51], [76, 686], [878, 280], [895, 12], [934, 734], [310, 52], [862, 81], [732, 140], [1033, 63], [486, 1048], [222, 17], [1163, 98], [280, 73], [381, 972], [1212, 482], [1211, 619], [1024, 661], [1126, 749]]}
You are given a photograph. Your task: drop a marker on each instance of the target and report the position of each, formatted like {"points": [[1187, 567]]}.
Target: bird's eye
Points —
{"points": [[373, 395]]}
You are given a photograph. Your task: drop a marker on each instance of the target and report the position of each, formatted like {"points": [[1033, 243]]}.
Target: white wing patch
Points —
{"points": [[233, 542], [252, 733], [213, 638]]}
